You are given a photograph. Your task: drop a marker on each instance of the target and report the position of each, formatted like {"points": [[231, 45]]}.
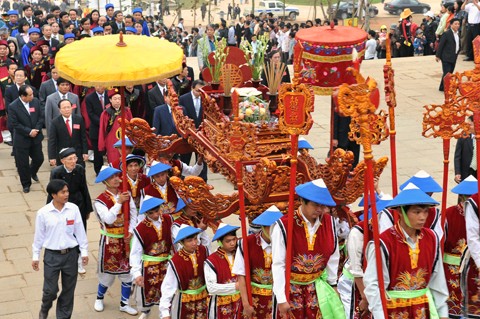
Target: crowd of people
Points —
{"points": [[165, 251]]}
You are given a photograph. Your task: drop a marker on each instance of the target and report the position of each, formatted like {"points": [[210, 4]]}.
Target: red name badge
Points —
{"points": [[74, 106], [31, 109], [54, 49], [70, 221], [76, 126]]}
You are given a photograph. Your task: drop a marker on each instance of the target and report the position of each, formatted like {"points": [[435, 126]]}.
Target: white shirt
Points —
{"points": [[370, 49], [194, 170], [168, 289], [136, 251], [197, 102], [437, 283], [108, 216], [239, 263], [279, 257], [69, 122], [62, 96], [473, 233], [355, 252], [162, 89], [457, 41], [58, 230], [473, 13]]}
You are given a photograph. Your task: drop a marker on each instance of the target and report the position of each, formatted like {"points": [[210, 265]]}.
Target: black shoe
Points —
{"points": [[35, 178], [468, 59], [11, 154], [9, 143], [26, 189]]}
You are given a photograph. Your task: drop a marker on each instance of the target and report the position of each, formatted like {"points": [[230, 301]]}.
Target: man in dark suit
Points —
{"points": [[464, 155], [11, 92], [26, 117], [192, 107], [448, 49], [118, 24], [341, 128], [163, 119], [96, 103], [47, 36], [48, 87], [67, 130], [28, 16], [155, 98]]}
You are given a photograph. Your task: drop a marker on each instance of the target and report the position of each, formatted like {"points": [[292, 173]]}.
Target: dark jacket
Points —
{"points": [[446, 47], [22, 122]]}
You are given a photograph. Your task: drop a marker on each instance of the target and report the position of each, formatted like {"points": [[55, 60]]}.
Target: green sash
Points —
{"points": [[193, 291], [104, 233], [328, 300], [408, 294], [155, 258], [224, 295], [451, 259], [347, 274]]}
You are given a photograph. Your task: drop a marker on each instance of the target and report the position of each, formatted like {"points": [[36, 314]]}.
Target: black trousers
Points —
{"points": [[447, 67], [25, 168], [54, 265], [472, 31], [97, 156]]}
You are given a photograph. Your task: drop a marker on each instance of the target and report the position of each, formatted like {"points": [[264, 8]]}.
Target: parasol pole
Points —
{"points": [[390, 97], [446, 154], [365, 217], [476, 124], [237, 152], [291, 212], [125, 205]]}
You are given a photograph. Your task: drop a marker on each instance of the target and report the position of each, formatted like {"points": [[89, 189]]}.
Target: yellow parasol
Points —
{"points": [[109, 61]]}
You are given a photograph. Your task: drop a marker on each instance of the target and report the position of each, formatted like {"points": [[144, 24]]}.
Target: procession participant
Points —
{"points": [[130, 31], [221, 282], [34, 35], [118, 145], [112, 255], [456, 243], [185, 279], [304, 146], [471, 269], [151, 250], [160, 186], [74, 175], [350, 283], [428, 185], [68, 38], [260, 257], [109, 130], [97, 31], [36, 68], [136, 181], [12, 23], [59, 229], [109, 9], [314, 261], [185, 215], [183, 169], [412, 270], [138, 18], [5, 62]]}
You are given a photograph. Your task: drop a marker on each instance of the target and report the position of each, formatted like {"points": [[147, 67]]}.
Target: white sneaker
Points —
{"points": [[98, 305], [144, 315], [81, 270], [128, 310]]}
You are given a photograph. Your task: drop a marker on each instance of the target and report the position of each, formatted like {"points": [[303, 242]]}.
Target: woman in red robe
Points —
{"points": [[110, 130]]}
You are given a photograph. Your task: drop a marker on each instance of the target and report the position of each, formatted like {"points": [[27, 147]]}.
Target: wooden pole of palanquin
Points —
{"points": [[295, 105], [390, 98], [236, 154], [366, 128], [126, 205]]}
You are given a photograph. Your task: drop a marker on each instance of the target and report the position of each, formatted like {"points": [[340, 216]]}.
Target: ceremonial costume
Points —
{"points": [[151, 250], [109, 131], [112, 254], [183, 219], [472, 269], [134, 186], [185, 277], [314, 261], [36, 71], [225, 300], [412, 271], [165, 191]]}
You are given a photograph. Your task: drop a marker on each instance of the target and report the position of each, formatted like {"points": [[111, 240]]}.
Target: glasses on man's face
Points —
{"points": [[71, 158]]}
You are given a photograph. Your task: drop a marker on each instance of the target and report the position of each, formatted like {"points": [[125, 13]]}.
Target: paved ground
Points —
{"points": [[417, 82]]}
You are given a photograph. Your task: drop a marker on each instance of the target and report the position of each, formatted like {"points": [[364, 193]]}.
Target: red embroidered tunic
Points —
{"points": [[156, 243], [403, 276], [473, 282], [455, 244], [191, 283], [228, 306], [171, 196], [309, 262], [141, 182], [261, 276], [112, 251]]}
